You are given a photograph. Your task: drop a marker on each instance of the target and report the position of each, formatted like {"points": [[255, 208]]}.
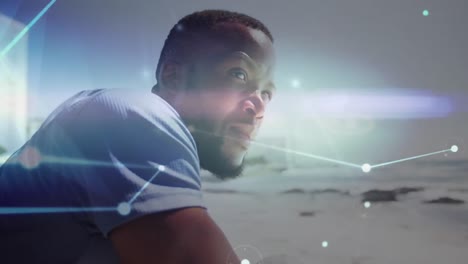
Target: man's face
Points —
{"points": [[232, 88]]}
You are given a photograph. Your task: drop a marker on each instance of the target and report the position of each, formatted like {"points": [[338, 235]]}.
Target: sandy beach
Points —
{"points": [[296, 216]]}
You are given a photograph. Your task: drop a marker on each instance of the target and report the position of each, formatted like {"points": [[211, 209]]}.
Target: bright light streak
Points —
{"points": [[42, 210], [25, 29]]}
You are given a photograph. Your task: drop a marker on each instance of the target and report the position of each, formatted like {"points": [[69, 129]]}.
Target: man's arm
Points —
{"points": [[183, 236]]}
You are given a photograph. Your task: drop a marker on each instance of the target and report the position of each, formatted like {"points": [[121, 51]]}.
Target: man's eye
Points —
{"points": [[266, 95], [239, 74]]}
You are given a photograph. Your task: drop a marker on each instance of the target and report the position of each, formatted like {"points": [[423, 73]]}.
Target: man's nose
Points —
{"points": [[254, 105]]}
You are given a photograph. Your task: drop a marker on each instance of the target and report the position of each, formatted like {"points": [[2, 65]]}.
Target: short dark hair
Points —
{"points": [[202, 21]]}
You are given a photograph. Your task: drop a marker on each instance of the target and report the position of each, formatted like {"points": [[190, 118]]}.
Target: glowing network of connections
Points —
{"points": [[366, 167], [123, 208]]}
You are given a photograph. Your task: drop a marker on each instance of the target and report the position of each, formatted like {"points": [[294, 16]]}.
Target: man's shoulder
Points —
{"points": [[124, 112], [115, 104], [133, 108], [116, 110], [121, 101], [118, 118]]}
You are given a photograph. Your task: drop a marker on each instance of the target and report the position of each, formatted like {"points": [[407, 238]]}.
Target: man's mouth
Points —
{"points": [[242, 135]]}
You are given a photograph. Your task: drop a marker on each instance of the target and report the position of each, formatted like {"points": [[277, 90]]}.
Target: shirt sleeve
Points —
{"points": [[128, 161]]}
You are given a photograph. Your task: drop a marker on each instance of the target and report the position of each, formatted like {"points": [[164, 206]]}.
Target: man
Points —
{"points": [[113, 176]]}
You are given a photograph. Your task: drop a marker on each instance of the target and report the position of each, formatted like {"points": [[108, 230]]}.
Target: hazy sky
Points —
{"points": [[361, 79]]}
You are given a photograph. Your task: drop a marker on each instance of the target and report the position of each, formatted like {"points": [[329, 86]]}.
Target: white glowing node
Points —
{"points": [[30, 157], [146, 73], [246, 254], [366, 167], [367, 204], [324, 244], [295, 83], [124, 208], [161, 168], [454, 148]]}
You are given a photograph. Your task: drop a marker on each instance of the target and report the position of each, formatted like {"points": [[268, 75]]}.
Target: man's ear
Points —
{"points": [[172, 76]]}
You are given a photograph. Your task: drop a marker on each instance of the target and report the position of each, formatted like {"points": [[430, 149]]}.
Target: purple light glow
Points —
{"points": [[359, 105]]}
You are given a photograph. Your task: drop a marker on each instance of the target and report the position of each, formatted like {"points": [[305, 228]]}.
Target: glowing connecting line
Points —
{"points": [[309, 155], [42, 210], [26, 29], [289, 151], [454, 149], [123, 208], [366, 167]]}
